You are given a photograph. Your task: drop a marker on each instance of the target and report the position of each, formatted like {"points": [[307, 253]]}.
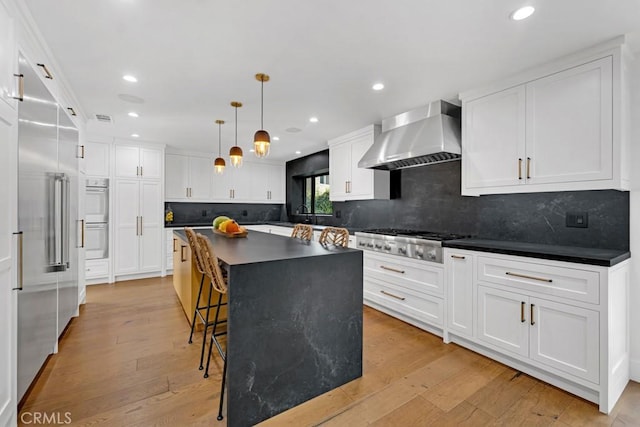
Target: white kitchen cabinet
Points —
{"points": [[268, 183], [96, 159], [234, 185], [494, 140], [138, 226], [558, 130], [8, 55], [96, 269], [187, 178], [348, 181], [410, 290], [171, 247], [138, 162], [565, 323], [558, 335], [458, 266]]}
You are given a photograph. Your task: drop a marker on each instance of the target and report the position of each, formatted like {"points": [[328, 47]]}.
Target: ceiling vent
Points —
{"points": [[104, 118]]}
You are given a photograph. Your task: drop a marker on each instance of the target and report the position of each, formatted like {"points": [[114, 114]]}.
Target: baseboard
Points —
{"points": [[634, 369]]}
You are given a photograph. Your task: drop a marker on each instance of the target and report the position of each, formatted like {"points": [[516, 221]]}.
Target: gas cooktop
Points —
{"points": [[416, 234]]}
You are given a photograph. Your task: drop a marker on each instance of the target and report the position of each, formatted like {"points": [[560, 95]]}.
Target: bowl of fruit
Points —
{"points": [[228, 227]]}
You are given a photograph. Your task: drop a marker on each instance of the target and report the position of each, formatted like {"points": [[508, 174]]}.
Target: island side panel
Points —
{"points": [[295, 332]]}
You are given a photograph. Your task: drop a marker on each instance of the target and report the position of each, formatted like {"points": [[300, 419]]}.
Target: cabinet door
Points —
{"points": [[150, 163], [569, 124], [260, 182], [176, 177], [200, 169], [7, 59], [339, 170], [96, 158], [222, 185], [276, 179], [126, 238], [494, 140], [361, 182], [459, 271], [127, 161], [502, 320], [151, 226], [565, 337], [241, 181]]}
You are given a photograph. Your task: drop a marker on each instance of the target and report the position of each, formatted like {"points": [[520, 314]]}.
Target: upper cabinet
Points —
{"points": [[8, 82], [138, 162], [267, 183], [187, 178], [560, 132], [348, 181], [96, 159]]}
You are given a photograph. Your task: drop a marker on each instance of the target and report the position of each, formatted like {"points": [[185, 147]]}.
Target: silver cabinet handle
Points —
{"points": [[82, 233], [522, 304], [141, 171], [524, 276], [392, 295], [528, 167], [137, 170], [141, 228], [458, 257], [19, 236], [519, 168], [384, 267], [47, 74], [20, 96]]}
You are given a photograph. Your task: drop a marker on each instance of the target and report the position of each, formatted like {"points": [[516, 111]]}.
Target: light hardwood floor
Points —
{"points": [[126, 362]]}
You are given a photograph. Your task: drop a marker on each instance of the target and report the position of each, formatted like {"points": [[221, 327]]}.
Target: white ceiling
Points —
{"points": [[193, 57]]}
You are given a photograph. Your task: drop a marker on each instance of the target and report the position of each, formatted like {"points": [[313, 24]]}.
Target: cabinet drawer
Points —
{"points": [[417, 275], [419, 306], [564, 282], [95, 269]]}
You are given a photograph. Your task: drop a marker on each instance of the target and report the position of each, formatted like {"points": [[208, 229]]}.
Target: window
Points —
{"points": [[316, 195]]}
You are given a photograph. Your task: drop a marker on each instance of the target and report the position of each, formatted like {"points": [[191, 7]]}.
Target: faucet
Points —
{"points": [[305, 210]]}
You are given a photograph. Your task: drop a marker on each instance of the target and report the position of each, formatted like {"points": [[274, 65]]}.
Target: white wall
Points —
{"points": [[635, 219]]}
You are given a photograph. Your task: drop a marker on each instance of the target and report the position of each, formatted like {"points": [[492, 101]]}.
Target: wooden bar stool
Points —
{"points": [[219, 283], [302, 231], [335, 236], [197, 313]]}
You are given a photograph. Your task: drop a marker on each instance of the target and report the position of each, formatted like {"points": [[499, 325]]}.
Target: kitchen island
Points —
{"points": [[294, 321]]}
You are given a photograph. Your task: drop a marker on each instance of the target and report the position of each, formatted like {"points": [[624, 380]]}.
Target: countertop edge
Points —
{"points": [[542, 255]]}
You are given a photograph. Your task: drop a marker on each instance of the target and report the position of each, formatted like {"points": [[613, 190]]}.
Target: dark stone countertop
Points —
{"points": [[264, 247], [276, 223], [592, 256]]}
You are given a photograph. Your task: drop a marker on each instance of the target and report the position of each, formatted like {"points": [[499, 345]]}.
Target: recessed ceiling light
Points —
{"points": [[135, 135], [523, 13], [313, 120], [133, 114], [298, 152], [276, 138], [252, 150], [377, 86], [130, 78]]}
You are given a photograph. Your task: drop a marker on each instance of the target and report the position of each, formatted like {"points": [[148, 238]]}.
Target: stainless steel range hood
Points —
{"points": [[423, 136]]}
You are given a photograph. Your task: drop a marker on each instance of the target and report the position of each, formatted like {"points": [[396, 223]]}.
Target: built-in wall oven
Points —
{"points": [[97, 217]]}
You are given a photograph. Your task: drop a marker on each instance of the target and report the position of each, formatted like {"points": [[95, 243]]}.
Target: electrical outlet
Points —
{"points": [[245, 213], [204, 212], [577, 219], [338, 214]]}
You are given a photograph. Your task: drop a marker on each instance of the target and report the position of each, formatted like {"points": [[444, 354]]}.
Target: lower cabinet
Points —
{"points": [[520, 311], [410, 290], [96, 269]]}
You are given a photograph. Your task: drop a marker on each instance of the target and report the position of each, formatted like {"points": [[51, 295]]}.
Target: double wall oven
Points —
{"points": [[97, 218], [404, 274]]}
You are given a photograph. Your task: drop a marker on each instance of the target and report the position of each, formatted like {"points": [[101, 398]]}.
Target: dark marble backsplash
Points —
{"points": [[204, 213], [429, 199]]}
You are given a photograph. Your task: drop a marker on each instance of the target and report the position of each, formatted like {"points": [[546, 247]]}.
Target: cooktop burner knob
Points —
{"points": [[369, 245], [362, 244], [378, 246], [420, 253], [402, 250], [387, 247]]}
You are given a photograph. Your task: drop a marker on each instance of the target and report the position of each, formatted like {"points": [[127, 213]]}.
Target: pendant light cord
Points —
{"points": [[219, 143], [236, 142], [262, 103]]}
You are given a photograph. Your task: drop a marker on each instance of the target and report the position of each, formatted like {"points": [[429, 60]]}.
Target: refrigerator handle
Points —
{"points": [[65, 226], [20, 275], [57, 229]]}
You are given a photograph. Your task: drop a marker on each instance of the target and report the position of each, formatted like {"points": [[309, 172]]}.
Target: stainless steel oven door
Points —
{"points": [[96, 241], [97, 204]]}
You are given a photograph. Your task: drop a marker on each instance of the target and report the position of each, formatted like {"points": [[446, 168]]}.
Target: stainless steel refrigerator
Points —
{"points": [[47, 218]]}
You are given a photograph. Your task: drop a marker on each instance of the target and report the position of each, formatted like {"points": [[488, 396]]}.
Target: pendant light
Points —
{"points": [[235, 153], [261, 140], [218, 163]]}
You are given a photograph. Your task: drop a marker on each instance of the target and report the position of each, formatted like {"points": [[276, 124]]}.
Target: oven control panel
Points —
{"points": [[406, 247]]}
